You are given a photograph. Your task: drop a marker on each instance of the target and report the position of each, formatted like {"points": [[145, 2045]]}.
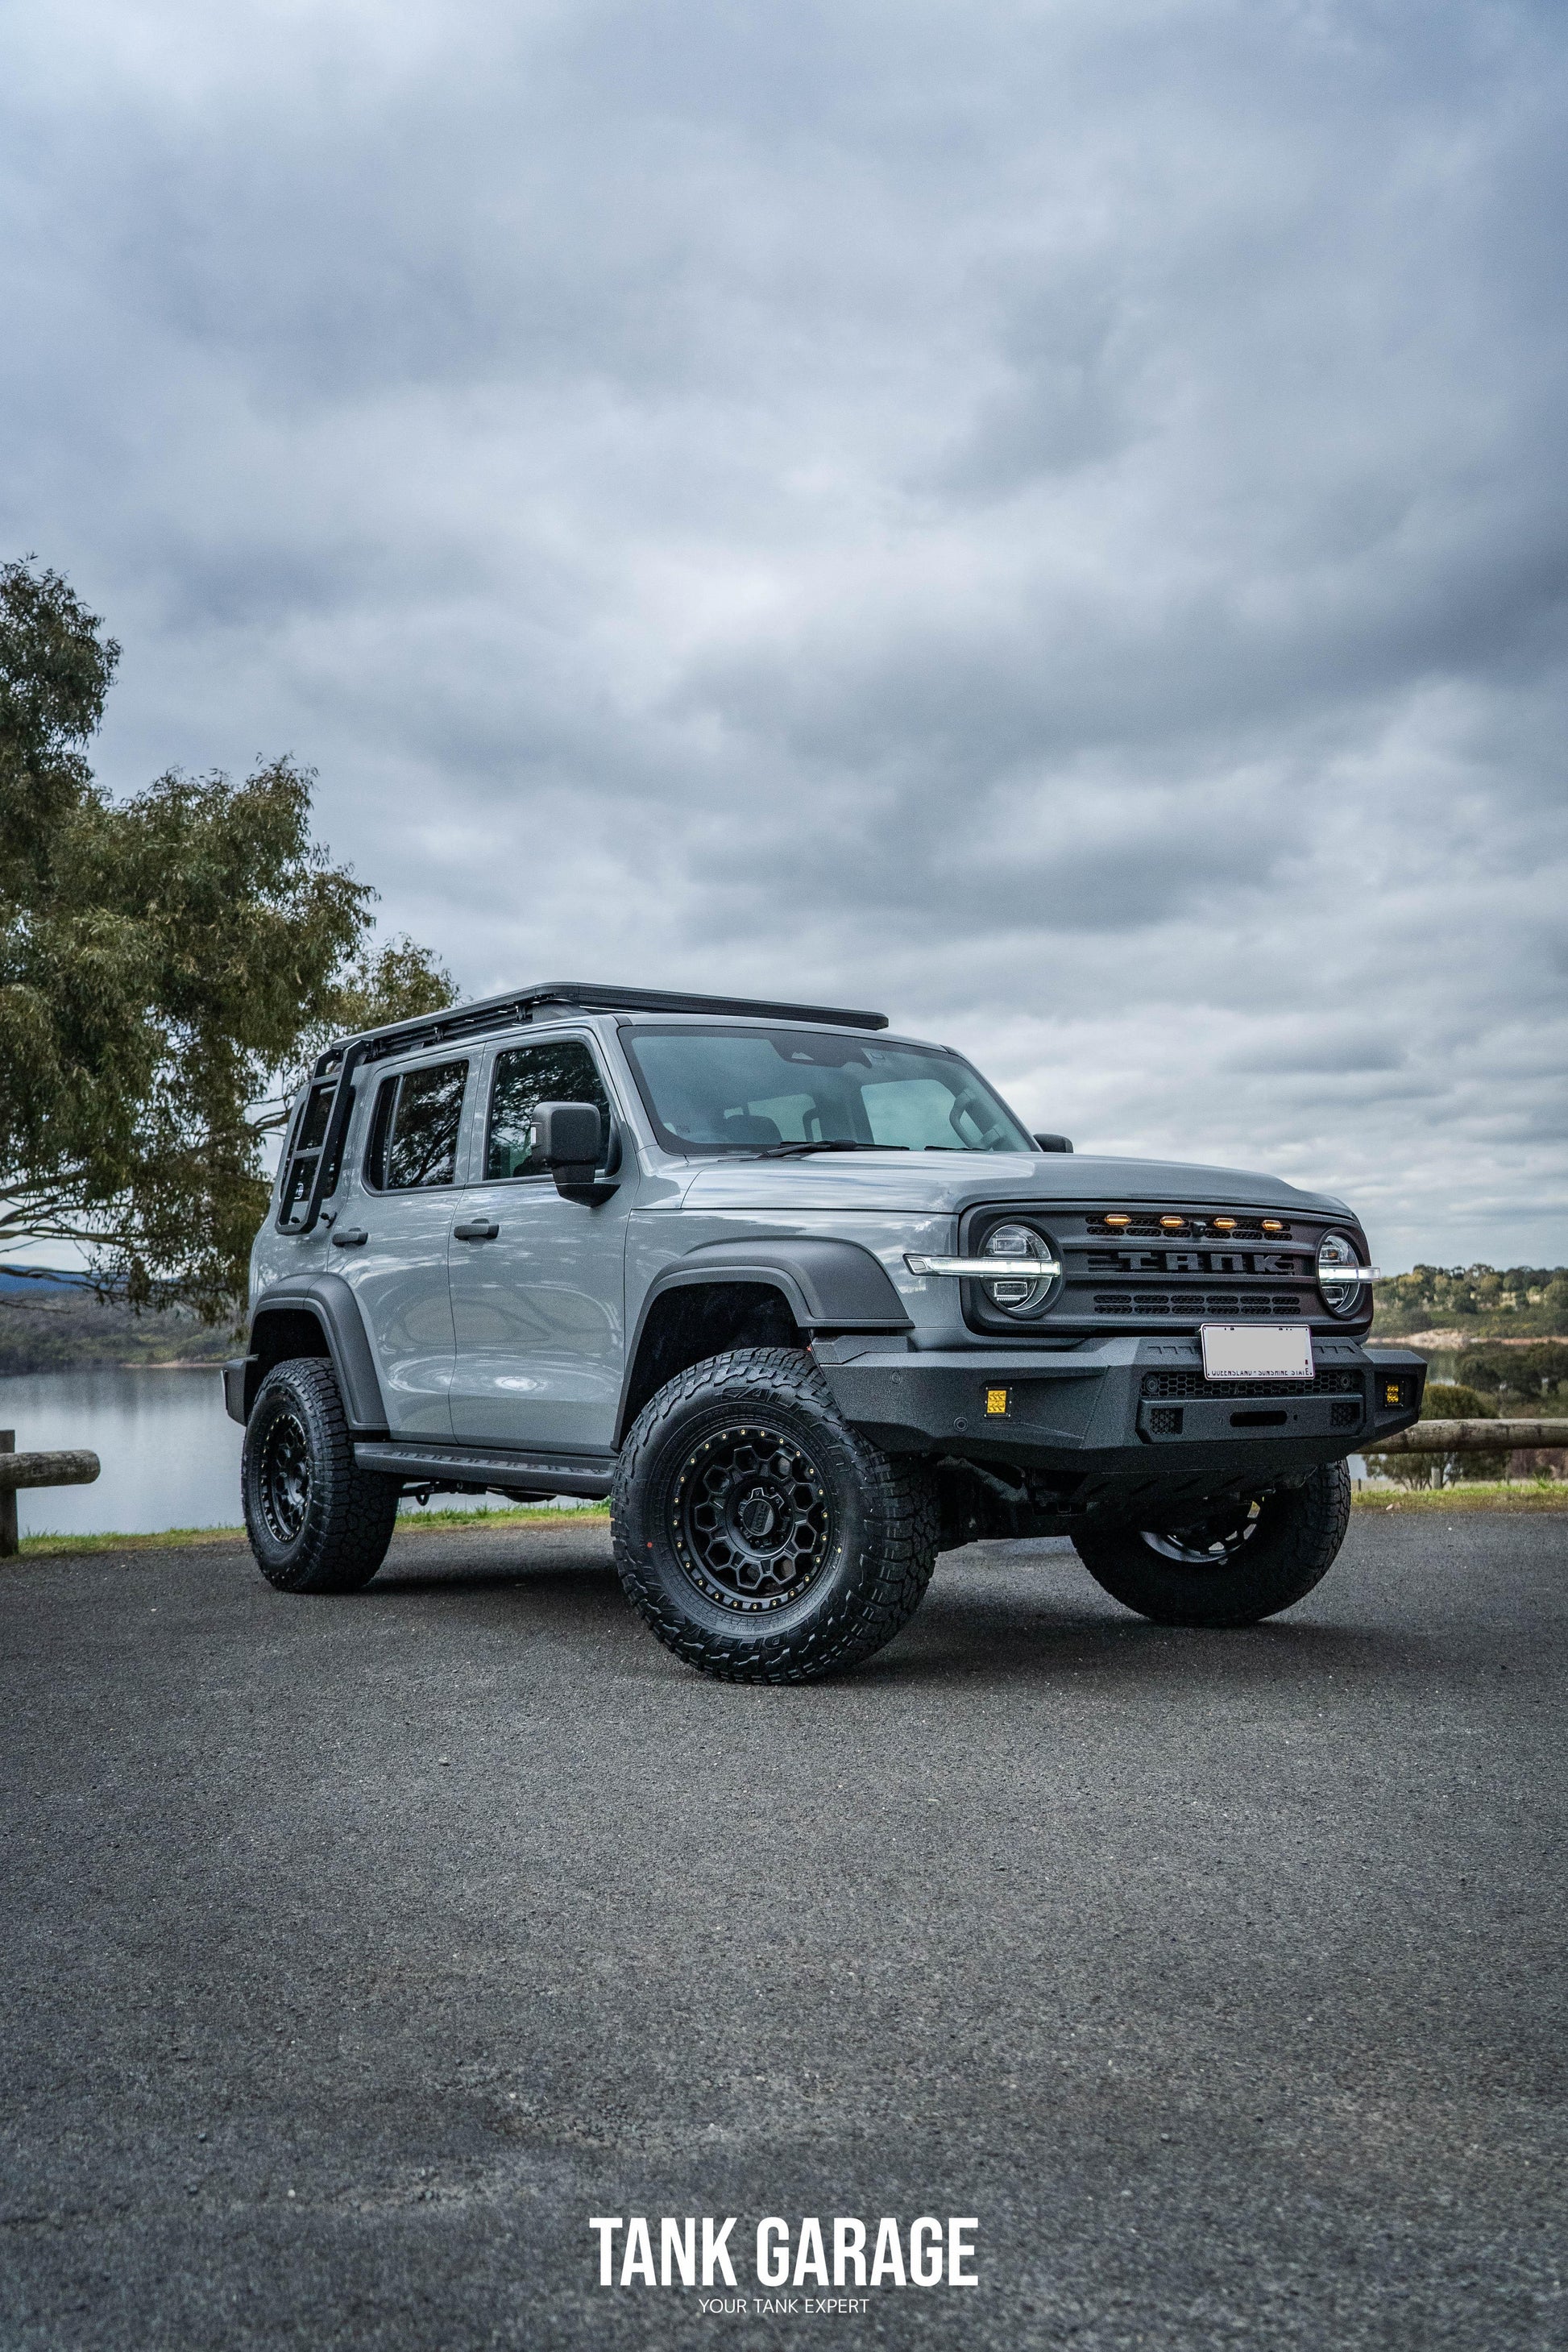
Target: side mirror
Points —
{"points": [[569, 1136], [1053, 1143]]}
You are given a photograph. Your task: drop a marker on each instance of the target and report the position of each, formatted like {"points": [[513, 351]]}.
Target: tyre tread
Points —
{"points": [[1283, 1562], [902, 1508], [351, 1512]]}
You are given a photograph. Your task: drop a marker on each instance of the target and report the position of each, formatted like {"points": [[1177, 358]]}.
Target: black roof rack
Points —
{"points": [[590, 997]]}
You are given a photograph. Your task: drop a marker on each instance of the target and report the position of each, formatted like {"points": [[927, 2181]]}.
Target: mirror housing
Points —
{"points": [[1053, 1142], [569, 1136]]}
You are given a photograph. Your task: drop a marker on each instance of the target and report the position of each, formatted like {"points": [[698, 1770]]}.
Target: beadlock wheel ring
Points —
{"points": [[283, 1478], [751, 1519]]}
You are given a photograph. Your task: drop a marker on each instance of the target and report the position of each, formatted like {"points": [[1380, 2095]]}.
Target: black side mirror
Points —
{"points": [[1053, 1143], [569, 1136]]}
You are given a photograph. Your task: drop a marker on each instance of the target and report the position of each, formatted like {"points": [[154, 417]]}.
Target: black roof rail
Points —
{"points": [[589, 996]]}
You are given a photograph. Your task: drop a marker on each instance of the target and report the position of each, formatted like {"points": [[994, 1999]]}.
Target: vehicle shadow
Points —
{"points": [[993, 1620]]}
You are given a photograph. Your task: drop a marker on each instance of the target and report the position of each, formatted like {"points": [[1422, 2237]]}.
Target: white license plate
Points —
{"points": [[1256, 1351]]}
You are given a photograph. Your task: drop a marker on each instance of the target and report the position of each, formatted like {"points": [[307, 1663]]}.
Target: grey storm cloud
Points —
{"points": [[1051, 518]]}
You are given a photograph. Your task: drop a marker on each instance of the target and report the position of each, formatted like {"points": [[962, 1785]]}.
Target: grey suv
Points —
{"points": [[809, 1304]]}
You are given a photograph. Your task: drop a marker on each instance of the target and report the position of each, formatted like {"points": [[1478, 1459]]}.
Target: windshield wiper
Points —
{"points": [[837, 1143]]}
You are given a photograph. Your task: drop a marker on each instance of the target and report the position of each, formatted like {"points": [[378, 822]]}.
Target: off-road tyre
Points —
{"points": [[316, 1522], [859, 1528], [1256, 1566]]}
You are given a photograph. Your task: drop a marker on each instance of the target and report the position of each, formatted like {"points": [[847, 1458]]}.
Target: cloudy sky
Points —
{"points": [[1044, 516]]}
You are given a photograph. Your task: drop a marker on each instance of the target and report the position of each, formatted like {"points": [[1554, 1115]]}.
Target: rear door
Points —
{"points": [[538, 1284], [390, 1239]]}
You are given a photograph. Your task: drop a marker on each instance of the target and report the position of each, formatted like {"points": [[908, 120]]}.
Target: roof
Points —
{"points": [[590, 997]]}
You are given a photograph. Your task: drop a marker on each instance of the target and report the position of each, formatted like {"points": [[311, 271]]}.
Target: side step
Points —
{"points": [[513, 1474]]}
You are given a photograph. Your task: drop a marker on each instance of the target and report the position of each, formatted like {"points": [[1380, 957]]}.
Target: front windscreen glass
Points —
{"points": [[751, 1089]]}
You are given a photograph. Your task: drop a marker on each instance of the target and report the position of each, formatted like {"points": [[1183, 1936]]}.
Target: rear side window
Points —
{"points": [[413, 1139], [526, 1076]]}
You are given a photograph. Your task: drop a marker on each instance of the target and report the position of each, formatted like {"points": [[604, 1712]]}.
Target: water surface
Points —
{"points": [[169, 1451]]}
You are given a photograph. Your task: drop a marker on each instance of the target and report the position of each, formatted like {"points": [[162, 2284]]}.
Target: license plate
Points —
{"points": [[1256, 1351]]}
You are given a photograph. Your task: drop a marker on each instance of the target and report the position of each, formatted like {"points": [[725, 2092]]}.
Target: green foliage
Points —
{"points": [[1522, 1382], [165, 962], [1523, 1299]]}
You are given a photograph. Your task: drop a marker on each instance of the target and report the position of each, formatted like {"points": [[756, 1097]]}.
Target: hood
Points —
{"points": [[928, 1183]]}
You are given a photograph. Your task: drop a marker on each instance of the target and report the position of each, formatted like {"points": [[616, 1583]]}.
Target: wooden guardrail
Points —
{"points": [[68, 1469], [1471, 1437]]}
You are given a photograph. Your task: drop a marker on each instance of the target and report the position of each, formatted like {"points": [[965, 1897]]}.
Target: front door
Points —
{"points": [[538, 1283], [403, 1205]]}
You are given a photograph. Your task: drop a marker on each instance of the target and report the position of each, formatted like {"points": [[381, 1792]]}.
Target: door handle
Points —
{"points": [[349, 1236], [480, 1229]]}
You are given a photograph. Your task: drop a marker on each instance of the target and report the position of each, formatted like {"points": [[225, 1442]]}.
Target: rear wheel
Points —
{"points": [[760, 1535], [1232, 1565], [317, 1522]]}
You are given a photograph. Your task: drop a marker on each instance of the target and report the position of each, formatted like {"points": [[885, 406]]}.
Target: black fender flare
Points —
{"points": [[328, 1299], [831, 1285], [828, 1285]]}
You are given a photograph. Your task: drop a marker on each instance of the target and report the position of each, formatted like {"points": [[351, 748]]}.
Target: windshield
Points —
{"points": [[755, 1089]]}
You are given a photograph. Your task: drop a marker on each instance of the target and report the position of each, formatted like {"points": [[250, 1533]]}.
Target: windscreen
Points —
{"points": [[749, 1089]]}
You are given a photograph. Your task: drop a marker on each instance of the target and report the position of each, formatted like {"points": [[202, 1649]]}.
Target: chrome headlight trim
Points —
{"points": [[1341, 1276], [1018, 1267]]}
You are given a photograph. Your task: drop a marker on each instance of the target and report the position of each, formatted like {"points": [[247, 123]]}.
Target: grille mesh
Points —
{"points": [[1193, 1384], [1196, 1302]]}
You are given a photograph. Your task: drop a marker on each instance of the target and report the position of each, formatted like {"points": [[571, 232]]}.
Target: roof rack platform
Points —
{"points": [[588, 996]]}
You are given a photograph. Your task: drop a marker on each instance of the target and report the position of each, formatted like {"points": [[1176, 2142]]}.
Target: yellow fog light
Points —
{"points": [[996, 1401]]}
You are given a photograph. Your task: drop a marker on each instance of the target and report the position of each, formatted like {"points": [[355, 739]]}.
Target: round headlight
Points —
{"points": [[1339, 1297], [1018, 1295]]}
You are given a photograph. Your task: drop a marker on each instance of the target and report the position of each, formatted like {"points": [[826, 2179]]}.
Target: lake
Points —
{"points": [[170, 1451]]}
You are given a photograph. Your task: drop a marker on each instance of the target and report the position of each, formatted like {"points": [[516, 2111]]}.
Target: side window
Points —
{"points": [[413, 1138], [525, 1076]]}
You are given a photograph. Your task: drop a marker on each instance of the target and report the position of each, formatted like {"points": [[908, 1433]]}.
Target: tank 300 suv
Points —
{"points": [[809, 1304]]}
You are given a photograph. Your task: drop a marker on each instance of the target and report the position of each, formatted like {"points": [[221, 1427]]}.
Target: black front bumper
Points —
{"points": [[1122, 1408]]}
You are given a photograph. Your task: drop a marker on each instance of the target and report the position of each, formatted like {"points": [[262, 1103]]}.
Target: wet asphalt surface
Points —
{"points": [[357, 1951]]}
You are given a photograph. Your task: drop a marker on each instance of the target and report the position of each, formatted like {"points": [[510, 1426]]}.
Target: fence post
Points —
{"points": [[9, 1543]]}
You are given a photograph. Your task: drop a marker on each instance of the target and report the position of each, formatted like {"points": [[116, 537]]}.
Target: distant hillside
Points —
{"points": [[1474, 1302], [55, 1325]]}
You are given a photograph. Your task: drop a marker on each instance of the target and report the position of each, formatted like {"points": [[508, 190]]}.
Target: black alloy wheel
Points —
{"points": [[1212, 1543], [762, 1537], [317, 1522], [1241, 1561], [283, 1478], [751, 1519]]}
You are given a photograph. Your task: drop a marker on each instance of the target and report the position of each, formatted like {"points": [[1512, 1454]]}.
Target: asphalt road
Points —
{"points": [[357, 1951]]}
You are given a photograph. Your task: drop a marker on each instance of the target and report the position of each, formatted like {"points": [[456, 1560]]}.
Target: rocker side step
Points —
{"points": [[530, 1473]]}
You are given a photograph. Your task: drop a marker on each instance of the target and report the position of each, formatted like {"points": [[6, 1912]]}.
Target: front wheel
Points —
{"points": [[761, 1537], [1235, 1564]]}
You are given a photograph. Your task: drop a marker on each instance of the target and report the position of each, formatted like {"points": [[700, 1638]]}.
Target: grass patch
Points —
{"points": [[178, 1539], [1472, 1494]]}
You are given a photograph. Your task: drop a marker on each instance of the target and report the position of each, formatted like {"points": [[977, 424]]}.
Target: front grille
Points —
{"points": [[1193, 1384], [1144, 1226], [1218, 1266], [1196, 1302]]}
